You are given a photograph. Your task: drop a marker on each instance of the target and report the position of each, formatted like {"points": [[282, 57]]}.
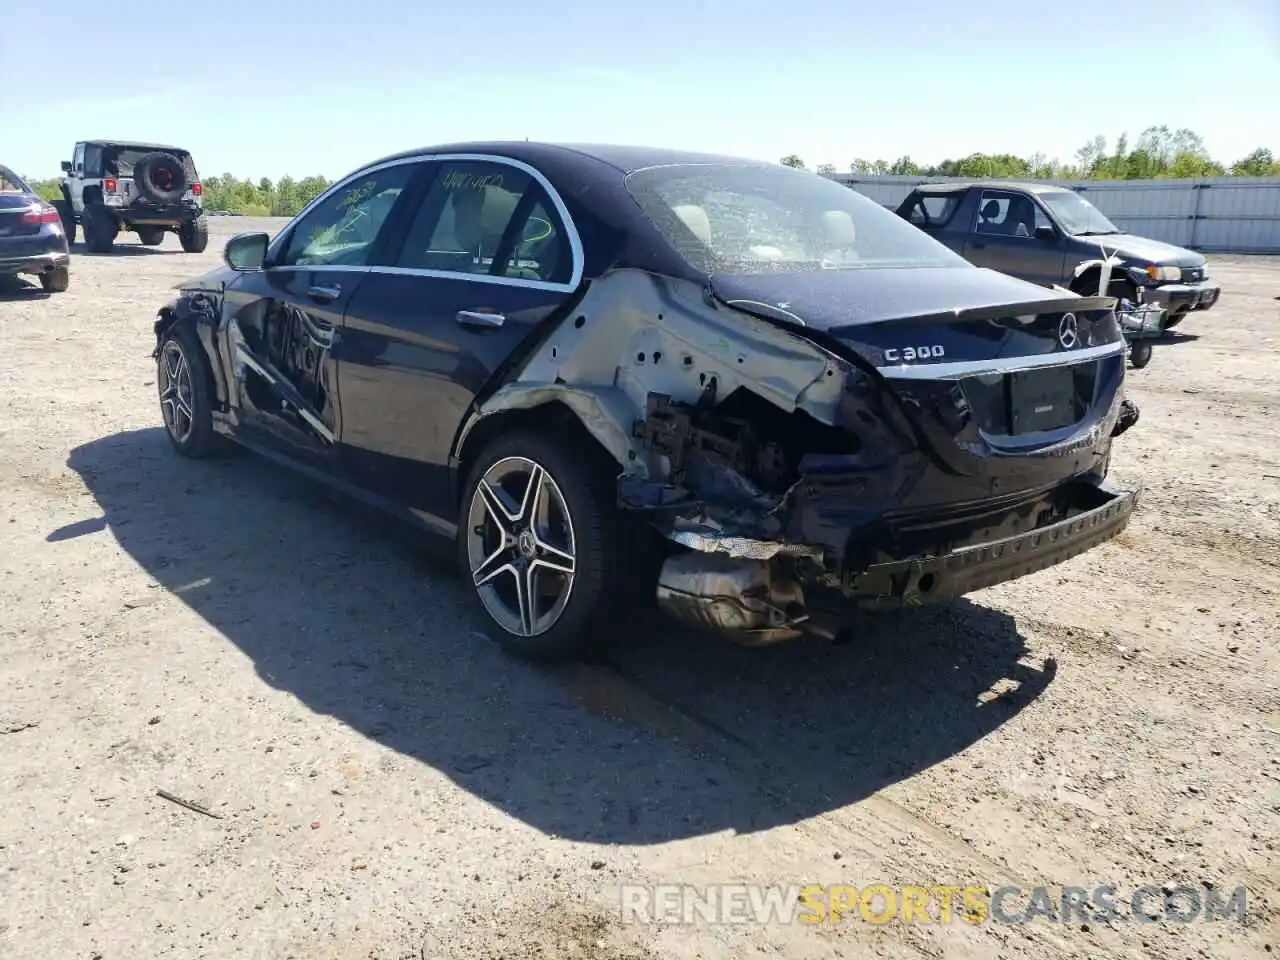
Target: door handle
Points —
{"points": [[482, 319], [325, 293], [978, 246]]}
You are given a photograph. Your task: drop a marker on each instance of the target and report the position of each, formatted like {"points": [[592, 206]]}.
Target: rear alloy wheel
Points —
{"points": [[186, 394], [56, 280], [150, 236], [537, 541], [194, 235]]}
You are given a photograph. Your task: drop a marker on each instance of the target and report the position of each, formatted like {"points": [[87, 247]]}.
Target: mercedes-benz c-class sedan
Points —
{"points": [[620, 374]]}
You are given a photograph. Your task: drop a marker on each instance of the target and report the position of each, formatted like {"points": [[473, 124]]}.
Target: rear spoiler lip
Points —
{"points": [[1001, 311]]}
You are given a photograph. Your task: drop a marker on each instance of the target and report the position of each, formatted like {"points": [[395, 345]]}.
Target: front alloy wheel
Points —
{"points": [[186, 393], [520, 546], [176, 394]]}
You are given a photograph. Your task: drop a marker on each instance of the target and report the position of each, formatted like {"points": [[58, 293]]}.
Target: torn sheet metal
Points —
{"points": [[707, 539]]}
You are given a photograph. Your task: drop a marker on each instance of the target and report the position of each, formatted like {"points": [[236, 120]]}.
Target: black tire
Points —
{"points": [[194, 235], [150, 236], [56, 280], [68, 217], [160, 177], [100, 229], [591, 614], [1140, 354], [1173, 319], [200, 441]]}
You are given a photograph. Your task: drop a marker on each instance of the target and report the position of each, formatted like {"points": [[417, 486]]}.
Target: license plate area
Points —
{"points": [[1047, 399]]}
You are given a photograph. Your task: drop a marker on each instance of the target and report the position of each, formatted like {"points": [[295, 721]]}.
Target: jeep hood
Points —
{"points": [[829, 300], [1145, 250]]}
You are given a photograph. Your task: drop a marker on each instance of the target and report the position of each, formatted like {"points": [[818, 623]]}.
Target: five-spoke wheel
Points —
{"points": [[186, 393], [174, 380], [538, 539], [520, 546]]}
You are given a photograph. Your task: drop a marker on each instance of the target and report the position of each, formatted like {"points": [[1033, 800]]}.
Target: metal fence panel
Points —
{"points": [[1221, 215]]}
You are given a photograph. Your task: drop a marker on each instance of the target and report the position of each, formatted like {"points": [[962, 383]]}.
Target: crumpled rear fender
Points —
{"points": [[635, 334]]}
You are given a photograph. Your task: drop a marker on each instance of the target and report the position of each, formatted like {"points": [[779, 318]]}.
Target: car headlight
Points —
{"points": [[1158, 274]]}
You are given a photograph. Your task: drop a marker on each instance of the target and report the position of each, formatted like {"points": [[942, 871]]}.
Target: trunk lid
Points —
{"points": [[1005, 381], [13, 206]]}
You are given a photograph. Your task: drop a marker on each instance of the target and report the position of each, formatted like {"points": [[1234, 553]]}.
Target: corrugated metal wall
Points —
{"points": [[1224, 215]]}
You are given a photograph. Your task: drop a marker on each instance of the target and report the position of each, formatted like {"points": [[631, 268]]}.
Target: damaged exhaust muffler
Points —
{"points": [[750, 600]]}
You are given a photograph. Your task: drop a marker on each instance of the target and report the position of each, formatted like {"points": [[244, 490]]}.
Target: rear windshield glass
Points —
{"points": [[120, 161], [745, 218], [10, 182]]}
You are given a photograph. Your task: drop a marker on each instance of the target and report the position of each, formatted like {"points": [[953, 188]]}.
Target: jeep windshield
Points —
{"points": [[1078, 216], [740, 219]]}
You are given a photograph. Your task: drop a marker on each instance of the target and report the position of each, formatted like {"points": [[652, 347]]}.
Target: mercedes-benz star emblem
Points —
{"points": [[1068, 331], [526, 544]]}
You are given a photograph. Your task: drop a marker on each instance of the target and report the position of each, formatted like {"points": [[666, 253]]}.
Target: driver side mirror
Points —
{"points": [[1046, 233], [66, 166], [246, 252]]}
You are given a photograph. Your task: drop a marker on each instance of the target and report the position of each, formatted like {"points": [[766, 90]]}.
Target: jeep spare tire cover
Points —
{"points": [[160, 177]]}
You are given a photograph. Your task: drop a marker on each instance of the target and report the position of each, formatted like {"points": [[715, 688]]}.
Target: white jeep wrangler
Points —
{"points": [[149, 189]]}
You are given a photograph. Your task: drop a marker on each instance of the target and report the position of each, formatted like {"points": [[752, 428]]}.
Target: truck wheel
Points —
{"points": [[1140, 354], [194, 235], [56, 280], [150, 236], [68, 218], [1173, 319], [100, 230]]}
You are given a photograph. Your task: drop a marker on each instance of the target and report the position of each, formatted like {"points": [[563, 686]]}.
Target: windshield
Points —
{"points": [[10, 182], [1078, 216], [744, 219]]}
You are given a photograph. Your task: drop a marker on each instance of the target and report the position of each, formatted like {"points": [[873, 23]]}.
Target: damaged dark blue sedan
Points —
{"points": [[611, 374]]}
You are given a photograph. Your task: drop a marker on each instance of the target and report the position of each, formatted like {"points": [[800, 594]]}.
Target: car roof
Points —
{"points": [[134, 145], [954, 187], [622, 157]]}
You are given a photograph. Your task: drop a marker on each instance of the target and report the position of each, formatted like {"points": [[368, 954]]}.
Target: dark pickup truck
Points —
{"points": [[1051, 235]]}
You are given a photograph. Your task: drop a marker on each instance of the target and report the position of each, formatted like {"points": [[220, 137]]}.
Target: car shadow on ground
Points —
{"points": [[679, 735], [21, 289], [123, 250]]}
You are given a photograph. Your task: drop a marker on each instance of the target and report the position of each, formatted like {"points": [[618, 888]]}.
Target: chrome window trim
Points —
{"points": [[959, 369], [570, 228]]}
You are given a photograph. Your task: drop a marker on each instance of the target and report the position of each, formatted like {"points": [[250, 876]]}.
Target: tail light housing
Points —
{"points": [[197, 189], [110, 185], [41, 214]]}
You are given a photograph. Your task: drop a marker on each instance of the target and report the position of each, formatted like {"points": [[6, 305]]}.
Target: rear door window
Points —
{"points": [[484, 218], [932, 211]]}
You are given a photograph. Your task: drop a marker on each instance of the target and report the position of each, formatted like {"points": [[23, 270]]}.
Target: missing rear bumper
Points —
{"points": [[754, 592]]}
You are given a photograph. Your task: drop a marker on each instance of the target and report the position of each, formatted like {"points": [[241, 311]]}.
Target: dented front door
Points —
{"points": [[282, 332], [285, 324]]}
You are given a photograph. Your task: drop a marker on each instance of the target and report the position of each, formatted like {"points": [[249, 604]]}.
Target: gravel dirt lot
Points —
{"points": [[388, 785]]}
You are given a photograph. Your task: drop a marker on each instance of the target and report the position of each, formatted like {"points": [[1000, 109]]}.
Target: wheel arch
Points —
{"points": [[567, 414], [203, 321]]}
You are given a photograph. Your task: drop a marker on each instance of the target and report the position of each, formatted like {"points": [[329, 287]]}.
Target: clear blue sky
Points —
{"points": [[279, 86]]}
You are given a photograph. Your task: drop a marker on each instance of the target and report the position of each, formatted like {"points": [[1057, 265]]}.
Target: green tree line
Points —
{"points": [[1159, 153], [263, 198]]}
